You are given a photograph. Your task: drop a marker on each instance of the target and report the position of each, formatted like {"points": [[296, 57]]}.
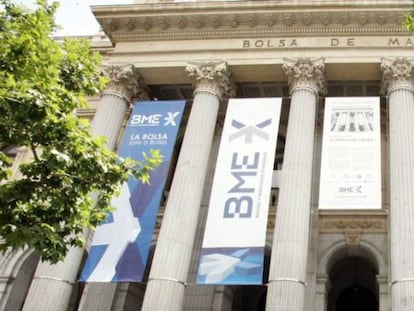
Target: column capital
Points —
{"points": [[125, 81], [212, 77], [397, 73], [306, 73]]}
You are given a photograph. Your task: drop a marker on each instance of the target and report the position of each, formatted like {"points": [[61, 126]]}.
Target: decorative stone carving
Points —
{"points": [[363, 18], [198, 22], [366, 224], [215, 21], [251, 20], [147, 24], [211, 76], [126, 81], [131, 24], [114, 25], [353, 238], [181, 22], [163, 22], [307, 19], [325, 20], [344, 18], [288, 19], [381, 18], [157, 25], [234, 21], [269, 20], [306, 73], [396, 73]]}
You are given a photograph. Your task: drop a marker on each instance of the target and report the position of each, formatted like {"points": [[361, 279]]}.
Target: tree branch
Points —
{"points": [[33, 149]]}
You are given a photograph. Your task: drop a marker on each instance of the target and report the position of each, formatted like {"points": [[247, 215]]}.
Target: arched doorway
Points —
{"points": [[353, 285]]}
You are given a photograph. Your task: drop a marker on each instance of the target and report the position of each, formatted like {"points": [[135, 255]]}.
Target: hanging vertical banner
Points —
{"points": [[120, 246], [235, 233], [351, 154]]}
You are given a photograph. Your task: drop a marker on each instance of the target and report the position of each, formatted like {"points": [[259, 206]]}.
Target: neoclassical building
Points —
{"points": [[205, 52]]}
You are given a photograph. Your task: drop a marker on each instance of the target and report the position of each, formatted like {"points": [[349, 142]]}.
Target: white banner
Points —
{"points": [[235, 234], [351, 154]]}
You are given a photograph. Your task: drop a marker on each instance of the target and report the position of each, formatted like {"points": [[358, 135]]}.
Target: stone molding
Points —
{"points": [[212, 77], [305, 73], [396, 74], [246, 20], [352, 224], [125, 81]]}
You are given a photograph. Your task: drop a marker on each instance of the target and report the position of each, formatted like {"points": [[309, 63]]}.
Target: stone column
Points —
{"points": [[52, 285], [397, 84], [321, 293], [172, 255], [286, 288], [384, 301]]}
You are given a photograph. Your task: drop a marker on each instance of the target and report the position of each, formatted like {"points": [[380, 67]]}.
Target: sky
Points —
{"points": [[75, 16]]}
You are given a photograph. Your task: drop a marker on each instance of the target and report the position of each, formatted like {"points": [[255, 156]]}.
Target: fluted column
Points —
{"points": [[52, 285], [397, 83], [286, 288], [126, 85], [172, 255]]}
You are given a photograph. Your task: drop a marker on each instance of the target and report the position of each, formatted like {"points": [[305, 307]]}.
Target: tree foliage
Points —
{"points": [[408, 21], [42, 84]]}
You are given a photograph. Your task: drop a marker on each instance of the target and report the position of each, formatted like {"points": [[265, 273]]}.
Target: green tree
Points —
{"points": [[408, 21], [42, 84]]}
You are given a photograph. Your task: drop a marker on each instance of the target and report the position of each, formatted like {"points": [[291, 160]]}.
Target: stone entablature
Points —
{"points": [[189, 20]]}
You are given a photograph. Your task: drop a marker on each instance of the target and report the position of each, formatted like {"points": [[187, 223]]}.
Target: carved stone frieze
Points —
{"points": [[211, 76], [353, 223], [196, 23], [126, 81], [306, 73], [396, 73]]}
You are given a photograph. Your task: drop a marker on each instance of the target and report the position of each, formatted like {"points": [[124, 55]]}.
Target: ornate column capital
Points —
{"points": [[397, 73], [305, 73], [212, 77], [125, 81]]}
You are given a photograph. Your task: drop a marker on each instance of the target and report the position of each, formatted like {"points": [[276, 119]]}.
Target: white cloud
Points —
{"points": [[75, 16]]}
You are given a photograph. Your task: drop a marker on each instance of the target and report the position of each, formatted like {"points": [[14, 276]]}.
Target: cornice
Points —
{"points": [[140, 22]]}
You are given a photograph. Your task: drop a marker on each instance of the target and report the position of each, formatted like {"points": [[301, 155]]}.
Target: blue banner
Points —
{"points": [[121, 244]]}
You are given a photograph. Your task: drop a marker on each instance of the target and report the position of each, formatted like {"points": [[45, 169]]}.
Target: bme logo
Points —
{"points": [[248, 131], [154, 119]]}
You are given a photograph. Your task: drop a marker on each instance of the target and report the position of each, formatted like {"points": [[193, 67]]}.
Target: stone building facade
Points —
{"points": [[302, 51]]}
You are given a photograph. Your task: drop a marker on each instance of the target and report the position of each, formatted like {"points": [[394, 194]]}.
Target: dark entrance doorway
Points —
{"points": [[356, 298], [353, 285]]}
